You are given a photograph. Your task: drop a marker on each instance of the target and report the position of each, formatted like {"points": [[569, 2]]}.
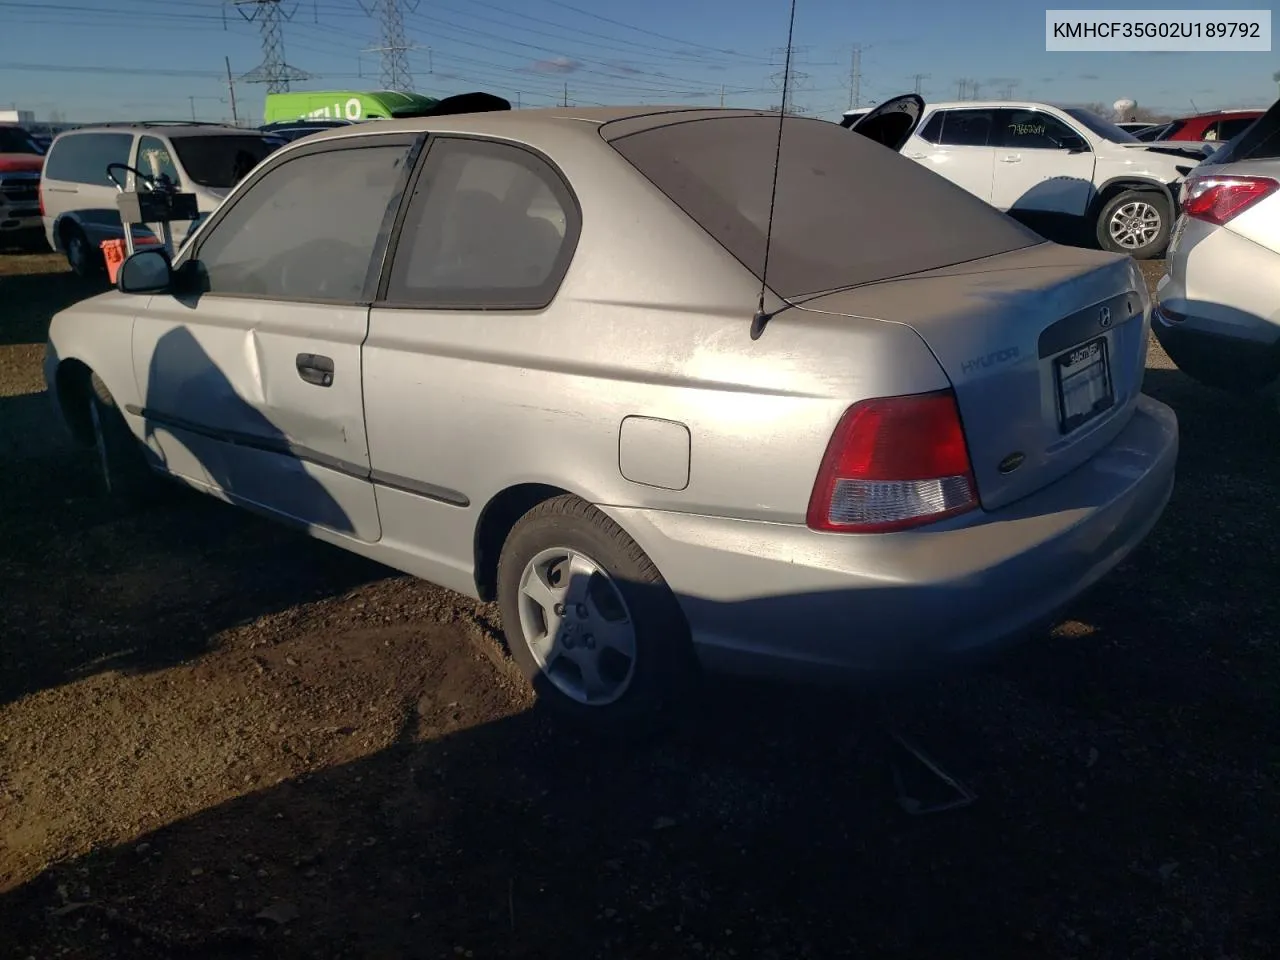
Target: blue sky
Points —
{"points": [[94, 59]]}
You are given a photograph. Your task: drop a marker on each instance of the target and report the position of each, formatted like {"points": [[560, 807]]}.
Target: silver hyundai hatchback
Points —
{"points": [[590, 364]]}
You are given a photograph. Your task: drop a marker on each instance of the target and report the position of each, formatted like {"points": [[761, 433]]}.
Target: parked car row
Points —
{"points": [[580, 362]]}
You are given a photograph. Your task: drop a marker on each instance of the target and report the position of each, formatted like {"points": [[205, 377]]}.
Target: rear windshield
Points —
{"points": [[221, 161], [17, 140], [1258, 141], [848, 210]]}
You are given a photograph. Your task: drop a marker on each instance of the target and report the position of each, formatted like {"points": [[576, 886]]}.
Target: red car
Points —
{"points": [[20, 164], [1219, 126]]}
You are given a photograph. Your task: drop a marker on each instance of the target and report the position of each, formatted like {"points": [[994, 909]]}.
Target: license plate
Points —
{"points": [[1084, 384]]}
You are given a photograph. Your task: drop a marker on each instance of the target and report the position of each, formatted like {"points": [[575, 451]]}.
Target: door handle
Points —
{"points": [[1014, 159], [315, 369]]}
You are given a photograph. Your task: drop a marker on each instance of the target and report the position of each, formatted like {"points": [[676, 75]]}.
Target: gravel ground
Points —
{"points": [[221, 739]]}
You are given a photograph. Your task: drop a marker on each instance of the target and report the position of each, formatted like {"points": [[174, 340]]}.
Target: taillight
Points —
{"points": [[894, 463], [1218, 199]]}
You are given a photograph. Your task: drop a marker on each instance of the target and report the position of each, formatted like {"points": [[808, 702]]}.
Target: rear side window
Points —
{"points": [[966, 128], [83, 157], [848, 210], [489, 225], [220, 161], [307, 229]]}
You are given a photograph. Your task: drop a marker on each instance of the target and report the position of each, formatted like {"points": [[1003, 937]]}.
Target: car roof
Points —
{"points": [[185, 128], [1222, 113], [545, 125], [991, 104]]}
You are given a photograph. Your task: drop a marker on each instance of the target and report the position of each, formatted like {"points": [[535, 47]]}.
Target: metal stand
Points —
{"points": [[161, 205]]}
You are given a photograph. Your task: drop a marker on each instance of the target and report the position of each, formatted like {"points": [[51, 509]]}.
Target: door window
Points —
{"points": [[154, 159], [307, 229], [489, 225], [965, 128], [1032, 130], [1226, 129], [83, 157], [932, 129]]}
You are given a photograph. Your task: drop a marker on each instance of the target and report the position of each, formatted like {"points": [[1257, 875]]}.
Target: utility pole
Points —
{"points": [[274, 70], [917, 77], [231, 92], [794, 82], [722, 96], [855, 76], [566, 95], [961, 86], [394, 49], [193, 108], [976, 88]]}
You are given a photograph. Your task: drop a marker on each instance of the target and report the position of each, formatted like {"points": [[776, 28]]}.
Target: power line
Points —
{"points": [[394, 48], [274, 70]]}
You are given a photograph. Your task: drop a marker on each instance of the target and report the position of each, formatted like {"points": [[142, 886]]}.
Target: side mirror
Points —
{"points": [[1075, 145], [147, 271]]}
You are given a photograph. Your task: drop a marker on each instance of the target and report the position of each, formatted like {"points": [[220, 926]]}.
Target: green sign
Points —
{"points": [[343, 105]]}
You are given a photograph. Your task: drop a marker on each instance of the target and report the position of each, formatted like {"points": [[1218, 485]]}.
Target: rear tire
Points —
{"points": [[570, 632], [1135, 222], [126, 476]]}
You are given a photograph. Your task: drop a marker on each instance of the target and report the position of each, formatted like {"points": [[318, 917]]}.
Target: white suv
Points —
{"points": [[1055, 167]]}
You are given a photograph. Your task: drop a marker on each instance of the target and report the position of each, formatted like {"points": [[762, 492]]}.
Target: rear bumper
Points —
{"points": [[1224, 360], [781, 601]]}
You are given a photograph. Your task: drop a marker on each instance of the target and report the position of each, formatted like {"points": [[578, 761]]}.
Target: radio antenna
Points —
{"points": [[761, 318]]}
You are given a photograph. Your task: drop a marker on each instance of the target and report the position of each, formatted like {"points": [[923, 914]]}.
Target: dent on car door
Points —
{"points": [[1042, 165], [252, 386]]}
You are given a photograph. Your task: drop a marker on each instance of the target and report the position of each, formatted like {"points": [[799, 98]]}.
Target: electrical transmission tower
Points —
{"points": [[795, 82], [917, 77], [855, 76], [274, 71], [1005, 86], [394, 49]]}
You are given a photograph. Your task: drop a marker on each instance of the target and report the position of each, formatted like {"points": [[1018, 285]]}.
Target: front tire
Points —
{"points": [[85, 262], [1135, 222], [126, 476], [590, 621]]}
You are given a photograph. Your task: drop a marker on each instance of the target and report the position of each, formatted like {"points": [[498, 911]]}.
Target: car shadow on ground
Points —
{"points": [[1124, 769], [75, 603], [41, 295]]}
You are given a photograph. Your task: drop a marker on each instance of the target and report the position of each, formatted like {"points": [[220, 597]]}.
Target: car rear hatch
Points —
{"points": [[1045, 348]]}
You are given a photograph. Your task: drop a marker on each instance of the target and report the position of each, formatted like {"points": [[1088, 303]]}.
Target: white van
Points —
{"points": [[78, 198]]}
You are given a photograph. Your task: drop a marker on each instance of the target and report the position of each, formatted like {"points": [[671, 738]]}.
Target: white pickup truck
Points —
{"points": [[20, 163]]}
